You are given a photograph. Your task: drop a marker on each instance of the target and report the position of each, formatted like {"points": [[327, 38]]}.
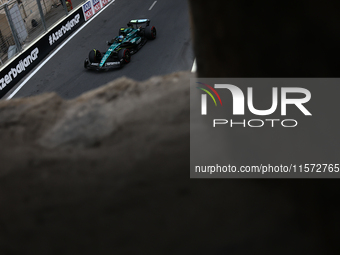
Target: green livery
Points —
{"points": [[130, 40]]}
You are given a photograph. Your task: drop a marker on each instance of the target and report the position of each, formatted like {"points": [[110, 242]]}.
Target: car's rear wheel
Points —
{"points": [[124, 56], [95, 56], [150, 32]]}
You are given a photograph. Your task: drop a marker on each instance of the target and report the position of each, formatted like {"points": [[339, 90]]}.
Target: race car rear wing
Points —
{"points": [[138, 21]]}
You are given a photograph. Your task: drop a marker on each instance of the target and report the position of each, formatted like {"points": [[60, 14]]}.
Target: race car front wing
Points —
{"points": [[107, 65]]}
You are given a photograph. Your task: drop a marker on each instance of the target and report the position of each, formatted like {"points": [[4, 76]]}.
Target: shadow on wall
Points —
{"points": [[267, 39]]}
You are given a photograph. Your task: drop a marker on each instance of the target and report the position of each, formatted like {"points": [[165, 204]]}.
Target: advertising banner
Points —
{"points": [[96, 5], [88, 10], [104, 2], [25, 62]]}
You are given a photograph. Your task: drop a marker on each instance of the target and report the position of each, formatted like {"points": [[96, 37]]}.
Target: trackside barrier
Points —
{"points": [[22, 21], [91, 7], [26, 61], [31, 56]]}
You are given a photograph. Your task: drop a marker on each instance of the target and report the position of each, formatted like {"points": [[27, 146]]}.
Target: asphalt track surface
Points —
{"points": [[171, 51]]}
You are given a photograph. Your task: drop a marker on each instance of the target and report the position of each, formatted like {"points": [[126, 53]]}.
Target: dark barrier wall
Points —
{"points": [[15, 71]]}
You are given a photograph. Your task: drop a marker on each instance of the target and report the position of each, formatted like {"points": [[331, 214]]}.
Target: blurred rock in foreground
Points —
{"points": [[108, 173]]}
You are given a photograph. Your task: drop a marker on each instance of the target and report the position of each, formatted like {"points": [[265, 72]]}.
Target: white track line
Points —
{"points": [[55, 52], [194, 67], [152, 5]]}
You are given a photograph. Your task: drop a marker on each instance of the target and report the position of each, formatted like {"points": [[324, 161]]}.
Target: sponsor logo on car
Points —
{"points": [[94, 64], [138, 20], [112, 63]]}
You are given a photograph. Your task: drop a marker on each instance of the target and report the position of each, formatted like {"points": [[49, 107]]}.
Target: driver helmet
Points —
{"points": [[120, 38]]}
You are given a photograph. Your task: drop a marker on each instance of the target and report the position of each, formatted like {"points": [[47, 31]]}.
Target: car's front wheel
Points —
{"points": [[124, 56], [95, 56]]}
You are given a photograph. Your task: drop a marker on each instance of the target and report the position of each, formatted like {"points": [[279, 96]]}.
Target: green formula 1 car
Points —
{"points": [[129, 41]]}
